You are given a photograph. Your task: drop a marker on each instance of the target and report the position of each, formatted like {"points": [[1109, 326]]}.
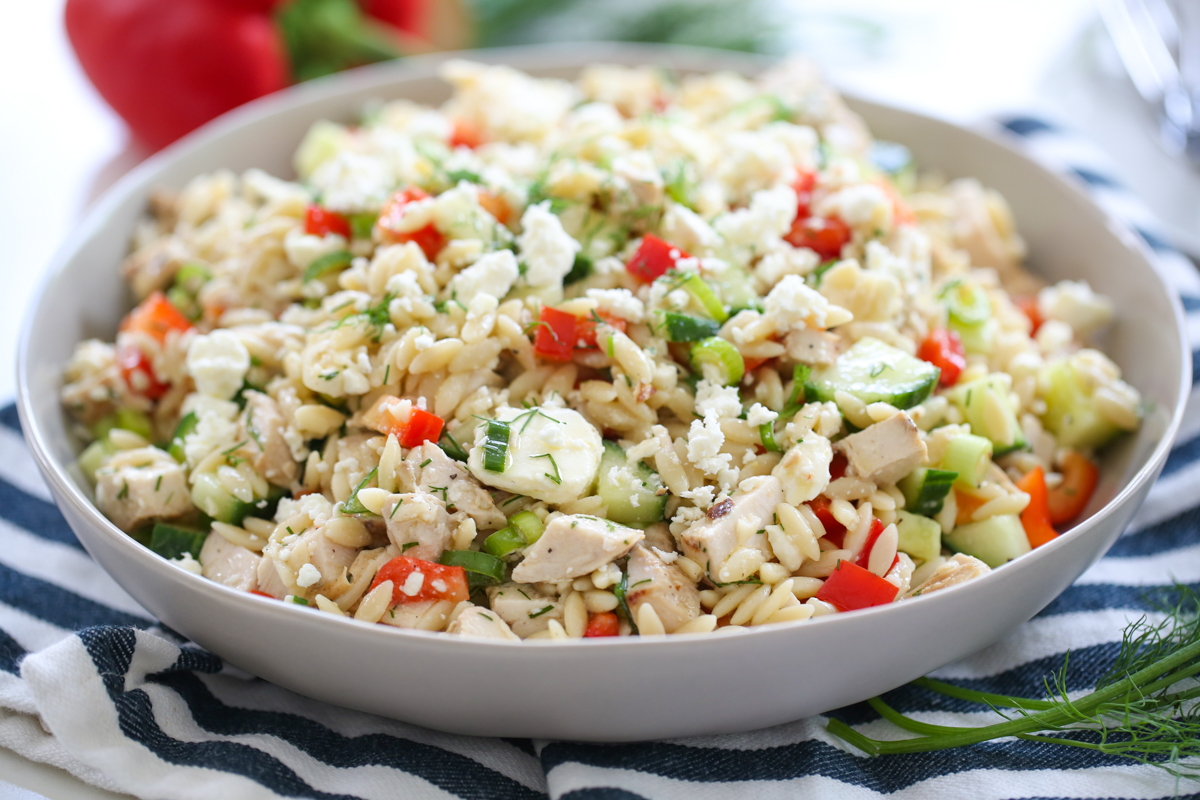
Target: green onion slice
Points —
{"points": [[722, 359], [766, 432], [483, 569], [529, 525], [503, 542], [620, 591], [353, 506], [966, 302], [185, 427], [362, 224], [330, 262], [495, 445], [698, 288], [688, 328]]}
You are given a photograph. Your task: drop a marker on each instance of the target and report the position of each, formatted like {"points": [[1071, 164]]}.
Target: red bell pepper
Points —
{"points": [[320, 221], [850, 587], [466, 134], [1028, 306], [410, 430], [585, 329], [139, 373], [1035, 519], [944, 349], [1067, 500], [864, 556], [803, 187], [156, 316], [653, 258], [834, 530], [556, 334], [436, 581], [824, 235], [604, 623], [429, 239]]}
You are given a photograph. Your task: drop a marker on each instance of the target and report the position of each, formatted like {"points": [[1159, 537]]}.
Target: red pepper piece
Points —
{"points": [[556, 335], [834, 530], [864, 557], [1029, 307], [585, 329], [139, 373], [837, 467], [466, 134], [262, 594], [1069, 498], [1035, 519], [824, 235], [428, 238], [850, 587], [604, 623], [653, 258], [437, 581], [944, 349], [320, 221], [803, 187], [156, 316], [422, 427]]}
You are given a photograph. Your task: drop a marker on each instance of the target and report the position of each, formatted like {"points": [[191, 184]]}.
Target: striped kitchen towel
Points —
{"points": [[90, 683]]}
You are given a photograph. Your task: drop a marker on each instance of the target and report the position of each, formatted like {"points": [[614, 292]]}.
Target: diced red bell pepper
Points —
{"points": [[803, 187], [585, 329], [262, 594], [850, 587], [864, 556], [1029, 307], [496, 206], [156, 317], [466, 134], [556, 334], [754, 363], [1035, 519], [319, 221], [422, 427], [944, 349], [824, 235], [437, 581], [604, 623], [429, 238], [1067, 500], [138, 373], [837, 467], [834, 530], [412, 430], [653, 258]]}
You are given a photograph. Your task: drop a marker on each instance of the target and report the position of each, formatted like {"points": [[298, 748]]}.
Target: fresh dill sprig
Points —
{"points": [[1144, 708]]}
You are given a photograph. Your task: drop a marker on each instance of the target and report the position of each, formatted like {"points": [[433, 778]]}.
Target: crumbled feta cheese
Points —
{"points": [[351, 182], [794, 304], [761, 226], [304, 248], [413, 583], [863, 205], [218, 363], [705, 439], [547, 251], [308, 576], [216, 426], [493, 274], [760, 415], [1074, 303], [688, 229], [188, 564], [713, 398], [618, 302]]}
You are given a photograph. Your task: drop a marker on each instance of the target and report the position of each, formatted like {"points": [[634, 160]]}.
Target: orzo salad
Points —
{"points": [[632, 355]]}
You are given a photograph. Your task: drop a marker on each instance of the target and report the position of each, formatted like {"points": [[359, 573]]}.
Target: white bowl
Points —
{"points": [[625, 689]]}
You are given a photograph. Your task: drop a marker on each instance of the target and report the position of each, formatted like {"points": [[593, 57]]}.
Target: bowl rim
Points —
{"points": [[383, 77]]}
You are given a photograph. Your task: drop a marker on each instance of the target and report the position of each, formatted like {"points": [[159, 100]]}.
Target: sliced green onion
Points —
{"points": [[495, 446], [353, 505], [968, 455], [966, 302], [127, 419], [192, 277], [172, 541], [330, 262], [94, 456], [620, 591], [300, 601], [698, 288], [186, 426], [529, 525], [766, 432], [718, 359], [186, 303], [503, 542], [820, 271], [451, 447], [800, 376], [362, 224], [483, 569], [688, 328]]}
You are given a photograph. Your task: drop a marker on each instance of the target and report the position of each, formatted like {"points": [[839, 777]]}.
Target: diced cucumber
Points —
{"points": [[920, 536], [581, 269], [966, 302], [185, 427], [994, 541], [213, 499], [629, 490], [322, 142], [969, 456], [925, 490], [736, 288], [127, 419], [172, 541], [688, 328], [95, 456], [977, 339], [987, 409], [874, 372], [1071, 413]]}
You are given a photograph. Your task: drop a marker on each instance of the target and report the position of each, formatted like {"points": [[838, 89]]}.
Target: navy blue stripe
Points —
{"points": [[1157, 244], [9, 417], [35, 515], [57, 606], [1190, 303], [1027, 126], [600, 793], [1101, 597], [10, 653], [1095, 179], [1171, 534], [1182, 454]]}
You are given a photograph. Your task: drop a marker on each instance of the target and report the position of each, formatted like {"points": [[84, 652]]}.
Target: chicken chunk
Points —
{"points": [[524, 608], [428, 466], [712, 540], [886, 451], [225, 562], [674, 598], [574, 545], [960, 568], [809, 346], [141, 485], [269, 581], [262, 427], [804, 471], [481, 623], [418, 524]]}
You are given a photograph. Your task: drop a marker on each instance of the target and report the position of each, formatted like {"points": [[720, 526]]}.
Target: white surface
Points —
{"points": [[957, 58]]}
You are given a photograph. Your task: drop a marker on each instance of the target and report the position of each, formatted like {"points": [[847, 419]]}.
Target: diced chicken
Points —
{"points": [[317, 552], [262, 427], [225, 562], [326, 555], [664, 586], [153, 267], [269, 581], [804, 471], [982, 225], [960, 568], [481, 623], [428, 466], [886, 451], [810, 346], [712, 540], [140, 485], [418, 524], [357, 455], [524, 608], [426, 615], [574, 545]]}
